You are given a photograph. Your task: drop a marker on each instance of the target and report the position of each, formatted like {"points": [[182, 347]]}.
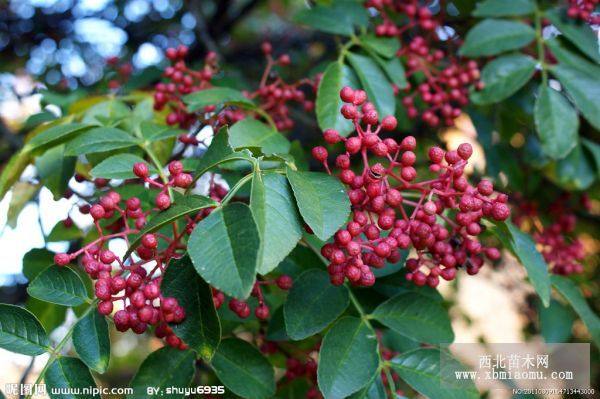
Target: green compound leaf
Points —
{"points": [[218, 96], [201, 329], [581, 35], [55, 135], [417, 317], [329, 103], [224, 249], [220, 151], [348, 358], [277, 219], [100, 139], [59, 285], [21, 332], [118, 166], [313, 303], [322, 201], [495, 36], [164, 368], [556, 322], [374, 82], [70, 374], [249, 133], [503, 77], [91, 341], [244, 370], [572, 294], [583, 89], [556, 122], [523, 247], [503, 8], [432, 373]]}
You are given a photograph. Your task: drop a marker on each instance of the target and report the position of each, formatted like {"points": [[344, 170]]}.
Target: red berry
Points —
{"points": [[62, 259]]}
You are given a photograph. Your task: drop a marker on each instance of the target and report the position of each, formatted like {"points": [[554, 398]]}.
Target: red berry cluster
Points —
{"points": [[182, 81], [122, 71], [136, 283], [242, 308], [444, 80], [561, 249], [383, 190], [584, 10], [273, 93]]}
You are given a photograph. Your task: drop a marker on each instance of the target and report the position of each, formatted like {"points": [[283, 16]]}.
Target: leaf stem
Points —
{"points": [[235, 188], [390, 380], [55, 353]]}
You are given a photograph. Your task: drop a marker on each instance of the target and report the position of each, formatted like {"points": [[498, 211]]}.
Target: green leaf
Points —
{"points": [[575, 172], [69, 373], [200, 329], [495, 36], [348, 358], [594, 150], [224, 249], [580, 34], [164, 368], [584, 90], [339, 18], [60, 232], [397, 284], [523, 247], [502, 78], [60, 285], [313, 303], [21, 332], [384, 46], [277, 219], [244, 370], [322, 201], [91, 341], [35, 261], [394, 70], [374, 82], [432, 373], [105, 112], [556, 123], [573, 295], [12, 170], [154, 132], [118, 166], [572, 59], [22, 193], [100, 139], [374, 390], [54, 136], [218, 96], [55, 170], [49, 315], [218, 152], [252, 133], [276, 328], [329, 103], [184, 205], [417, 317], [556, 322], [503, 8]]}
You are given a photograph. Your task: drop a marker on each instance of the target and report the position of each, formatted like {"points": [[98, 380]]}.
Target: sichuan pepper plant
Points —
{"points": [[275, 276]]}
